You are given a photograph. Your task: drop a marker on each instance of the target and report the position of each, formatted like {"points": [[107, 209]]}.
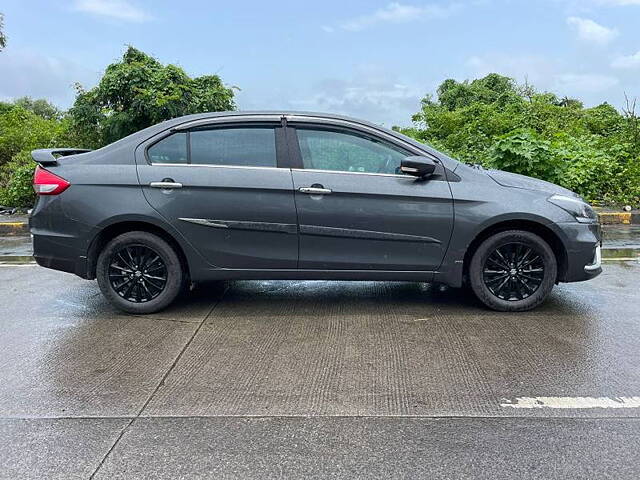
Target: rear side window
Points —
{"points": [[171, 149], [348, 152], [249, 147]]}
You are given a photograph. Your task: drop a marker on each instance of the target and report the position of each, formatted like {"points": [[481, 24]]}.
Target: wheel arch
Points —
{"points": [[540, 229], [109, 232]]}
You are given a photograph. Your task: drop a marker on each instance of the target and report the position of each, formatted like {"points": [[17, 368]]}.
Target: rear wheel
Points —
{"points": [[513, 271], [139, 272]]}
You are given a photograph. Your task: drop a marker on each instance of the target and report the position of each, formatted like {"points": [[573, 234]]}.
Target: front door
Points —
{"points": [[221, 187], [356, 211]]}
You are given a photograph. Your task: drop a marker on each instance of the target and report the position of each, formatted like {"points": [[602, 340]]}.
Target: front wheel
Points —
{"points": [[139, 272], [513, 271]]}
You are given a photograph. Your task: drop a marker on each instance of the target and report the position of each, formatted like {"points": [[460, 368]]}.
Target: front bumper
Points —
{"points": [[596, 263], [583, 249]]}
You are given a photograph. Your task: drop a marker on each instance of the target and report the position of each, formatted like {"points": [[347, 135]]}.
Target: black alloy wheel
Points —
{"points": [[513, 271], [137, 273]]}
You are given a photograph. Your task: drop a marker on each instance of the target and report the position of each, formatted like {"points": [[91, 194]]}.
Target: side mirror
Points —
{"points": [[417, 166]]}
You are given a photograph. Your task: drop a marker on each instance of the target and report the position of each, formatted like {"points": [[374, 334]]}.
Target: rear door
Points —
{"points": [[220, 186], [357, 211]]}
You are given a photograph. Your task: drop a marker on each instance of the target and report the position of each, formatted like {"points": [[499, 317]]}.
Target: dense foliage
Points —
{"points": [[494, 122], [3, 37], [138, 92], [134, 93]]}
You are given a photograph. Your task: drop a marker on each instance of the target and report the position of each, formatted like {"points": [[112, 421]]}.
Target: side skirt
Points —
{"points": [[387, 275]]}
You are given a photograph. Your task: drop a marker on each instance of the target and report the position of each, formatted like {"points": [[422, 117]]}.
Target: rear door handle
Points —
{"points": [[165, 185], [314, 190]]}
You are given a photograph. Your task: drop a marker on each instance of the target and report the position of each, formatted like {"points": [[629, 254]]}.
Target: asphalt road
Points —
{"points": [[319, 379]]}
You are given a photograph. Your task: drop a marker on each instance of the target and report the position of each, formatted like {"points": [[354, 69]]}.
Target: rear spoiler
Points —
{"points": [[49, 156]]}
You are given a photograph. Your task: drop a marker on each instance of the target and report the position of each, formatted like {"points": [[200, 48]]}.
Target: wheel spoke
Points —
{"points": [[496, 279], [118, 267], [130, 255], [531, 261], [505, 262], [502, 285], [126, 262], [146, 275], [524, 258], [155, 285], [149, 294], [535, 280], [526, 285]]}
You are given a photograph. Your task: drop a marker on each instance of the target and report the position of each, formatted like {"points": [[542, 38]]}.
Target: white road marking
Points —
{"points": [[573, 402]]}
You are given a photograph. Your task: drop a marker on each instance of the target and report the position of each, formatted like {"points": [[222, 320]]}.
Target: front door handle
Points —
{"points": [[314, 190], [165, 185]]}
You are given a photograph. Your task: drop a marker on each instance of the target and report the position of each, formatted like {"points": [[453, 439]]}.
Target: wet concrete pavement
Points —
{"points": [[317, 379]]}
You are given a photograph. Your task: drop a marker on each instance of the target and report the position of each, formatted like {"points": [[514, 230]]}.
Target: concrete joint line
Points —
{"points": [[155, 390]]}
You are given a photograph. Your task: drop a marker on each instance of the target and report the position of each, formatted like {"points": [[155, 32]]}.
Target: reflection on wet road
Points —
{"points": [[367, 365]]}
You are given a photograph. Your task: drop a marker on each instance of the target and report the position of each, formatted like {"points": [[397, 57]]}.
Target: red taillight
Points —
{"points": [[46, 183]]}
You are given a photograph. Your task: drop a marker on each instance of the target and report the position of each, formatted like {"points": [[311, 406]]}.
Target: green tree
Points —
{"points": [[22, 129], [3, 37], [499, 124], [138, 92], [40, 107]]}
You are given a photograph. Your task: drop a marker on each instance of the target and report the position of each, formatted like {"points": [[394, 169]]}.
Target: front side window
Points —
{"points": [[171, 149], [249, 147], [348, 152]]}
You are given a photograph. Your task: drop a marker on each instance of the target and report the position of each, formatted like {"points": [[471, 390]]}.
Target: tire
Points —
{"points": [[503, 258], [147, 289]]}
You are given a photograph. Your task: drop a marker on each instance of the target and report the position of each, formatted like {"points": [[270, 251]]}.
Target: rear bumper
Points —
{"points": [[58, 253]]}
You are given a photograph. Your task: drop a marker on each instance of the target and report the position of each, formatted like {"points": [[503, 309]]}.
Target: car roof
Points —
{"points": [[249, 113]]}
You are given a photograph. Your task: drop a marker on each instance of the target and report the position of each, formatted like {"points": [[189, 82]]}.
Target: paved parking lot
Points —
{"points": [[318, 379]]}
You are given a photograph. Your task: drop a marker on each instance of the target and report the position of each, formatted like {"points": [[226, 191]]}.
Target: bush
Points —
{"points": [[492, 121], [524, 152], [17, 189], [21, 129]]}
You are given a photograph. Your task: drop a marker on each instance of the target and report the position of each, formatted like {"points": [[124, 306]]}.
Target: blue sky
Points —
{"points": [[370, 59]]}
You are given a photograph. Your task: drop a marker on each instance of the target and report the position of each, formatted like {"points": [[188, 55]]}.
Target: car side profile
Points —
{"points": [[273, 195]]}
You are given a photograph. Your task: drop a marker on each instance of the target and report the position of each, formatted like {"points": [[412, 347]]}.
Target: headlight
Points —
{"points": [[582, 211]]}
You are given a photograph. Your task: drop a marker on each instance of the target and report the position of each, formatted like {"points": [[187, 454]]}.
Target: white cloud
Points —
{"points": [[118, 9], [584, 82], [627, 61], [544, 74], [25, 72], [616, 3], [535, 69], [396, 12], [592, 32], [371, 93]]}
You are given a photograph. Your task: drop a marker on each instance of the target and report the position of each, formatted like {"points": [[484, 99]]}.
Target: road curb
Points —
{"points": [[14, 228], [619, 218]]}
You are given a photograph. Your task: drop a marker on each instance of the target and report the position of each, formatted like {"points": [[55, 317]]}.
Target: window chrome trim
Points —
{"points": [[231, 119], [354, 173], [215, 166]]}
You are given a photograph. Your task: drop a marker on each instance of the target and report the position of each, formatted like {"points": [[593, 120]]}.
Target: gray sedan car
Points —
{"points": [[273, 195]]}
